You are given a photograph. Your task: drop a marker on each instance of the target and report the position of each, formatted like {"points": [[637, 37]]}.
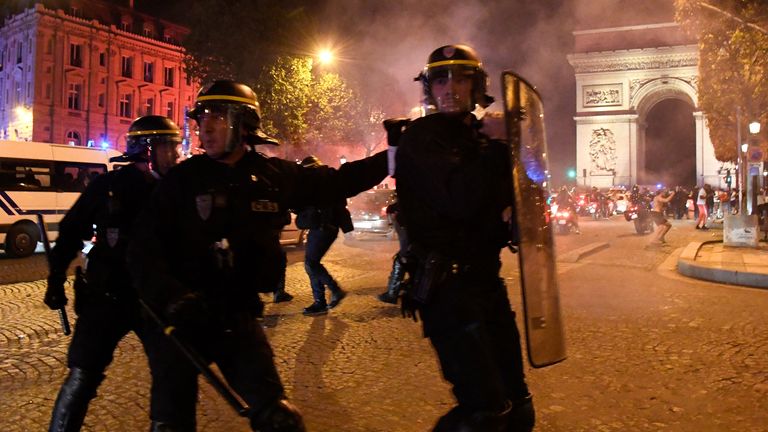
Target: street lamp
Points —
{"points": [[754, 127], [325, 56]]}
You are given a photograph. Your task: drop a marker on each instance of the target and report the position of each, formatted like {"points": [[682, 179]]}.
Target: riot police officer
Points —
{"points": [[105, 300], [454, 190], [209, 241]]}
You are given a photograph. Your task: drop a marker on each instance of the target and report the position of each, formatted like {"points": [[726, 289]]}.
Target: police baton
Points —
{"points": [[47, 246], [200, 364]]}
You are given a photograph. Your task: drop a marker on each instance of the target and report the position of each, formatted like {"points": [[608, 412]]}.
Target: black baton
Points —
{"points": [[200, 364], [63, 318]]}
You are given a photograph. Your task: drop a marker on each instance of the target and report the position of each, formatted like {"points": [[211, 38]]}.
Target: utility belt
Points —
{"points": [[432, 268]]}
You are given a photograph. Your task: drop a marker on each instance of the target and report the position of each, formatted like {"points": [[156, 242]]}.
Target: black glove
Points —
{"points": [[408, 306], [54, 294], [188, 313], [395, 128]]}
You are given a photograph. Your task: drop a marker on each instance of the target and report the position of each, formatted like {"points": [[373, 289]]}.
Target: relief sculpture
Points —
{"points": [[602, 152]]}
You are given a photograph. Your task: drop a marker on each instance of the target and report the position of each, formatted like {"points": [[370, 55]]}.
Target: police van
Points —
{"points": [[42, 178]]}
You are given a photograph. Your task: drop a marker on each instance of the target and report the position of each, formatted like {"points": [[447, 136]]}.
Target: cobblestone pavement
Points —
{"points": [[649, 350]]}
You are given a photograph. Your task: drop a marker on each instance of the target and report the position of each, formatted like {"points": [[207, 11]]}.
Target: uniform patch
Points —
{"points": [[204, 203], [113, 235], [449, 51], [265, 206]]}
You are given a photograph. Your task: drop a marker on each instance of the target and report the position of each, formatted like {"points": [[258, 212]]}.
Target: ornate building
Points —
{"points": [[80, 74], [633, 66]]}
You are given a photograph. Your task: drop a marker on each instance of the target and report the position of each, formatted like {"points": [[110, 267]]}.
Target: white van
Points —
{"points": [[42, 178]]}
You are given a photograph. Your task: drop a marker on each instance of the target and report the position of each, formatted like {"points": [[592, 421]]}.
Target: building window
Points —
{"points": [[149, 31], [102, 59], [73, 138], [75, 55], [101, 100], [49, 46], [149, 72], [168, 77], [74, 95], [124, 110], [149, 106], [19, 49], [48, 91], [2, 59], [125, 26], [188, 79], [74, 11], [127, 67], [169, 110]]}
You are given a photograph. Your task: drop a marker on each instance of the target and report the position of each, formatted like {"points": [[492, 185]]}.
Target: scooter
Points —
{"points": [[563, 220], [639, 214]]}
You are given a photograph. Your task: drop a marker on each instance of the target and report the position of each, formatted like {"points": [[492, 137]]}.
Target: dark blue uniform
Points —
{"points": [[209, 232], [453, 183], [106, 305]]}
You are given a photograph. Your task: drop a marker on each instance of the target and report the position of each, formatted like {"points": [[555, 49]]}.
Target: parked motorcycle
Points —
{"points": [[640, 215]]}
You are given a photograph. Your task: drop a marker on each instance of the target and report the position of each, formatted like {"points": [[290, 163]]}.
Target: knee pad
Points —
{"points": [[281, 416]]}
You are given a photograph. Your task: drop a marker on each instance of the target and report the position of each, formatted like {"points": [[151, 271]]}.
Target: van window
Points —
{"points": [[75, 176], [20, 175]]}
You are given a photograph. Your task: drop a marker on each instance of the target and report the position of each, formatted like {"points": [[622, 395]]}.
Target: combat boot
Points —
{"points": [[522, 416], [169, 427], [73, 399], [395, 282], [282, 416]]}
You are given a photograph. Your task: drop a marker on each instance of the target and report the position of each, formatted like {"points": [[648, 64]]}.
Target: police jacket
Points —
{"points": [[111, 203], [209, 227], [453, 184]]}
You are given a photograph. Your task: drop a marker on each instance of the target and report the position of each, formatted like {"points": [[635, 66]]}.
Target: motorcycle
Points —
{"points": [[563, 219], [639, 214]]}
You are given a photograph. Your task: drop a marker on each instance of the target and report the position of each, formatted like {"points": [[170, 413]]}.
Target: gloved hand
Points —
{"points": [[188, 313], [395, 128], [408, 306], [54, 294]]}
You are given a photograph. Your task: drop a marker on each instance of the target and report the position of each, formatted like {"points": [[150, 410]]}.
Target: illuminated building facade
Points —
{"points": [[80, 75]]}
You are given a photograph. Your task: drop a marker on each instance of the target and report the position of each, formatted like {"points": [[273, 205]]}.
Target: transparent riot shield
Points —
{"points": [[524, 118]]}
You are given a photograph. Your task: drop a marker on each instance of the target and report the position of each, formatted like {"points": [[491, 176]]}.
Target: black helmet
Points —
{"points": [[143, 137], [238, 104], [311, 162], [450, 59]]}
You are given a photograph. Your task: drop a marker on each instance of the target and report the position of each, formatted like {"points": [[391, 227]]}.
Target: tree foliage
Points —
{"points": [[733, 66]]}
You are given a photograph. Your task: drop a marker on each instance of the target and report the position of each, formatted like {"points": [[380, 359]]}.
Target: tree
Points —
{"points": [[733, 66]]}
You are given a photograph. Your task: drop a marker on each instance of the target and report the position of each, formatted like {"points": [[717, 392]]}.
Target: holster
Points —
{"points": [[432, 271], [82, 291]]}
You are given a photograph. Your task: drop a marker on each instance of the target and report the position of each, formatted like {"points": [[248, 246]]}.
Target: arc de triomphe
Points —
{"points": [[616, 91]]}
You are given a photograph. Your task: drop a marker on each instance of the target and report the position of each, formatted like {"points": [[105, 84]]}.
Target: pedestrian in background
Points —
{"points": [[323, 224]]}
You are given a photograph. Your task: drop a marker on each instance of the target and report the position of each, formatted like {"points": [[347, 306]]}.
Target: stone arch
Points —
{"points": [[653, 92]]}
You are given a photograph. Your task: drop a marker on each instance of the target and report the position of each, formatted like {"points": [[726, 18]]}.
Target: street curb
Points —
{"points": [[577, 254], [686, 265]]}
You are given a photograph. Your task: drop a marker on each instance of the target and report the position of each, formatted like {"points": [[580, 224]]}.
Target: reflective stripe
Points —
{"points": [[154, 132], [227, 97], [474, 63], [4, 195]]}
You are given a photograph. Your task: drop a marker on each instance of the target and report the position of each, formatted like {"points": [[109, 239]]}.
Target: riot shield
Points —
{"points": [[524, 118]]}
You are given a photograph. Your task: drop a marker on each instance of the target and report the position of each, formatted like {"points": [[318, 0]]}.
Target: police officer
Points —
{"points": [[454, 189], [324, 224], [105, 300], [209, 241]]}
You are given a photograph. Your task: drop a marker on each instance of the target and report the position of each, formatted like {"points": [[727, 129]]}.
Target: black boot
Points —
{"points": [[282, 416], [522, 416], [72, 402], [395, 282]]}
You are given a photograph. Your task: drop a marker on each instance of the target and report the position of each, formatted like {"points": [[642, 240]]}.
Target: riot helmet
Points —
{"points": [[311, 162], [147, 137], [449, 61], [236, 104]]}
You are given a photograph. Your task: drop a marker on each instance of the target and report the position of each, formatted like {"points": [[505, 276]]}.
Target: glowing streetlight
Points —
{"points": [[325, 57], [754, 127], [24, 115]]}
